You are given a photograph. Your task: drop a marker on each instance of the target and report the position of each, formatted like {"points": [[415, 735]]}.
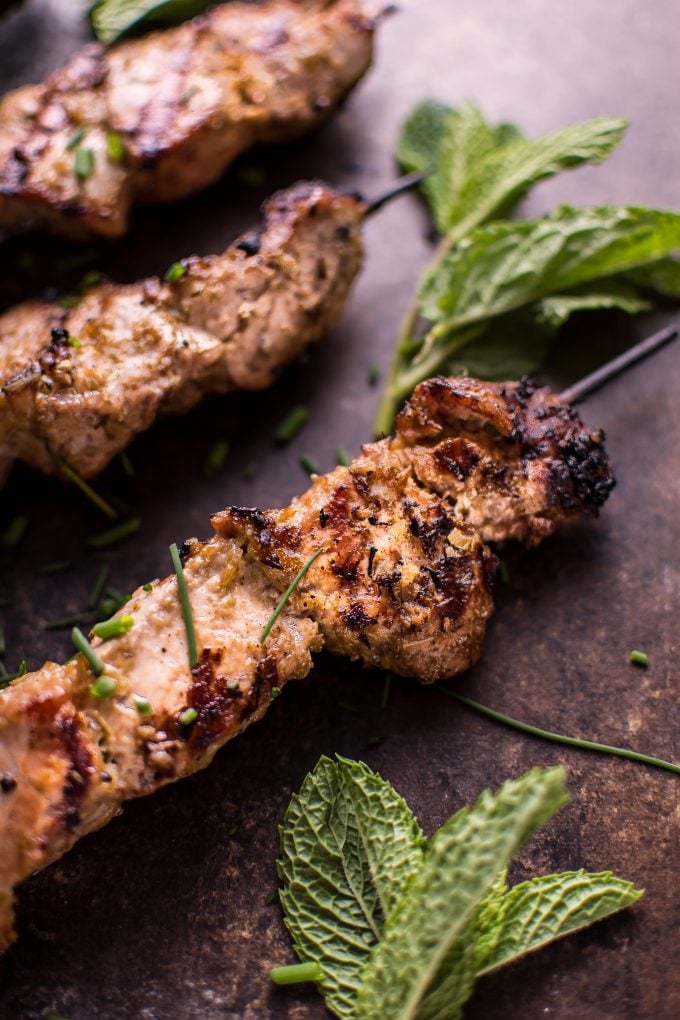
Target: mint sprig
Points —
{"points": [[112, 19], [349, 844], [400, 928], [498, 291]]}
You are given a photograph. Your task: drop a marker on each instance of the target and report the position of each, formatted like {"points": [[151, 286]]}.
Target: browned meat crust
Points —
{"points": [[183, 103], [513, 459], [232, 321], [401, 584]]}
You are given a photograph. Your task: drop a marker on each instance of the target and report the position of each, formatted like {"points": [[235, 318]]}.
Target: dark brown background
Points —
{"points": [[162, 914]]}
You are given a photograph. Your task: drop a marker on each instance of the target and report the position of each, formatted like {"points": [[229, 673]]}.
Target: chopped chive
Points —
{"points": [[233, 685], [126, 464], [55, 567], [503, 575], [558, 738], [114, 147], [296, 974], [186, 606], [91, 278], [639, 658], [275, 692], [287, 594], [3, 646], [75, 140], [14, 532], [8, 677], [309, 465], [214, 462], [147, 587], [291, 424], [103, 687], [373, 375], [73, 341], [83, 163], [249, 470], [108, 629], [342, 457], [272, 897], [175, 272], [188, 716], [233, 830], [69, 301], [142, 704], [349, 707], [86, 489], [386, 691], [375, 741], [69, 621], [84, 646], [98, 586], [115, 534], [187, 96], [108, 606]]}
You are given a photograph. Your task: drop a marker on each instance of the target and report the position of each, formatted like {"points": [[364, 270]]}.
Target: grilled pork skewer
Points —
{"points": [[159, 118], [126, 354], [401, 583]]}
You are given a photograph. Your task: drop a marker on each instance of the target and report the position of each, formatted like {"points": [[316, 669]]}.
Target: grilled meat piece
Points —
{"points": [[513, 460], [402, 584], [181, 103], [232, 321]]}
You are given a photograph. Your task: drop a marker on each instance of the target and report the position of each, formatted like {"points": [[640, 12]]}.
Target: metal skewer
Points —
{"points": [[576, 393], [403, 184]]}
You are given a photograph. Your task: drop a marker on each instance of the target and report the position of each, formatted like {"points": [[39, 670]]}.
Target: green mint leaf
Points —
{"points": [[349, 845], [429, 924], [503, 266], [451, 143], [499, 181], [662, 276], [517, 343], [480, 172], [453, 984], [113, 18], [544, 909]]}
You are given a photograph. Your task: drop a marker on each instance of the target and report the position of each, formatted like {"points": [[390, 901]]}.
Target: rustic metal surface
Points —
{"points": [[162, 914]]}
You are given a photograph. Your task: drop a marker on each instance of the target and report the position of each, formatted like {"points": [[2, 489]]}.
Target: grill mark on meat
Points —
{"points": [[158, 115], [456, 456], [79, 773], [216, 703]]}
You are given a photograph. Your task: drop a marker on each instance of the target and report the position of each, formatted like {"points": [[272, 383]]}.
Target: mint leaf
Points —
{"points": [[507, 174], [480, 171], [544, 909], [429, 924], [517, 343], [662, 276], [113, 18], [349, 844], [503, 266], [451, 143]]}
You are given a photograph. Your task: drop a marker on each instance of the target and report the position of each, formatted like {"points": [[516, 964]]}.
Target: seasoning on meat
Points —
{"points": [[230, 321], [159, 118], [401, 583]]}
